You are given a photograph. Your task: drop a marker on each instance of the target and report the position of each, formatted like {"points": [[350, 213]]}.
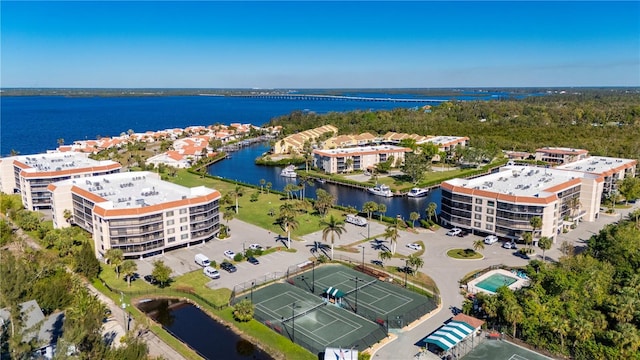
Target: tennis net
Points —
{"points": [[361, 286], [304, 312]]}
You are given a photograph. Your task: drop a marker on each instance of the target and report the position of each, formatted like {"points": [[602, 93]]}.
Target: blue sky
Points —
{"points": [[305, 44]]}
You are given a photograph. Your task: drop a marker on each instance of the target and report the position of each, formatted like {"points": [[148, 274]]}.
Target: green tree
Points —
{"points": [[129, 268], [115, 257], [382, 209], [236, 193], [86, 262], [392, 233], [415, 262], [332, 227], [384, 255], [161, 272], [545, 244], [288, 223], [243, 310], [527, 238], [289, 189], [369, 208], [629, 188], [262, 183], [415, 166], [431, 211], [536, 223], [83, 323], [324, 201]]}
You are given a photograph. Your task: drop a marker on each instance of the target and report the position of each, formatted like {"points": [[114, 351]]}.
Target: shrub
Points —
{"points": [[243, 310], [238, 257]]}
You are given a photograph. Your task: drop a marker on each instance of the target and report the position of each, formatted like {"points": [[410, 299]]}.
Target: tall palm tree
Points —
{"points": [[288, 223], [384, 255], [528, 238], [262, 183], [369, 208], [431, 211], [333, 227], [536, 223], [545, 244], [115, 257], [393, 233], [289, 189], [413, 217], [415, 262], [382, 209]]}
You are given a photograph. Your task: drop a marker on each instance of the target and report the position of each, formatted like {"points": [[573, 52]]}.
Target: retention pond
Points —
{"points": [[209, 338]]}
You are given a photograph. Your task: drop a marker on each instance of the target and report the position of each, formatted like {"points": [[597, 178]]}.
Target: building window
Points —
{"points": [[477, 217], [169, 222], [184, 236], [171, 231], [169, 213], [477, 224], [478, 208], [490, 211], [183, 211], [489, 227], [490, 219], [478, 201], [184, 227], [171, 239], [183, 220], [491, 203]]}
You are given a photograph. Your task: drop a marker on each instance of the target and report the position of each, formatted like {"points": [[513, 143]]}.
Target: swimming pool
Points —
{"points": [[493, 282]]}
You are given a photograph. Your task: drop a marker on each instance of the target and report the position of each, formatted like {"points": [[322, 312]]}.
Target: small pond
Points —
{"points": [[211, 339]]}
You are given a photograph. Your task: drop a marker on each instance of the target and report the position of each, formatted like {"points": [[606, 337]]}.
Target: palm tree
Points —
{"points": [[262, 182], [288, 223], [115, 258], [545, 244], [332, 226], [304, 181], [237, 192], [129, 268], [393, 233], [369, 208], [348, 164], [536, 223], [268, 186], [431, 211], [289, 189], [384, 255], [478, 245], [415, 262], [413, 217], [528, 238], [382, 209], [227, 216], [67, 214]]}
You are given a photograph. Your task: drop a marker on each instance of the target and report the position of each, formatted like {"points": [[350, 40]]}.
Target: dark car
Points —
{"points": [[150, 279], [253, 260], [520, 254], [227, 266], [463, 233]]}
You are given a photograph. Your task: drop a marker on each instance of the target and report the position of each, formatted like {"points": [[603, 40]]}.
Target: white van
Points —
{"points": [[356, 220], [202, 260], [211, 272]]}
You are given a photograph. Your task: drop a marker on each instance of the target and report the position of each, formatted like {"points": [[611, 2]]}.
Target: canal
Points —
{"points": [[209, 338], [241, 167]]}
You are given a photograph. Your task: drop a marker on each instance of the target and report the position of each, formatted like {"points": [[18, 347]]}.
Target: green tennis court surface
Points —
{"points": [[502, 350]]}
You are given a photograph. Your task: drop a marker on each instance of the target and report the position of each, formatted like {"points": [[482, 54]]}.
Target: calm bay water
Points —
{"points": [[241, 167]]}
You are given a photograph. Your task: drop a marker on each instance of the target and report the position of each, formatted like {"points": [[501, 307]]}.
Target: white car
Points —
{"points": [[230, 254], [509, 245], [454, 232], [255, 247], [414, 246], [491, 239]]}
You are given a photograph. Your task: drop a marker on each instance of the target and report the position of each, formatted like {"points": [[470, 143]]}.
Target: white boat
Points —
{"points": [[417, 192], [381, 190], [321, 181], [356, 220], [289, 172]]}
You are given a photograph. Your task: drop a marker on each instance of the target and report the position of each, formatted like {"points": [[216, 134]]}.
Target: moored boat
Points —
{"points": [[381, 190], [289, 172], [417, 192]]}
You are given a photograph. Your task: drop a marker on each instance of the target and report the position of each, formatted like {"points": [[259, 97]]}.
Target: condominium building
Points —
{"points": [[295, 143], [30, 175], [357, 158], [503, 203], [136, 212], [560, 155], [610, 169]]}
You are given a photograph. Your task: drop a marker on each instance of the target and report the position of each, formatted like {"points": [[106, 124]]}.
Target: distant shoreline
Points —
{"points": [[147, 92]]}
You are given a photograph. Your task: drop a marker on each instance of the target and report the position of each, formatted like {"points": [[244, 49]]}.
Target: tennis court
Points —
{"points": [[308, 320], [378, 301], [502, 350]]}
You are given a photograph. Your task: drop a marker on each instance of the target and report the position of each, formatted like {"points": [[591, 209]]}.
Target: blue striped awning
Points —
{"points": [[449, 335]]}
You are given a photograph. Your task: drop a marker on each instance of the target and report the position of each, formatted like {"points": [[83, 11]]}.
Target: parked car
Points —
{"points": [[454, 232], [491, 239], [256, 247], [253, 260], [509, 245], [230, 254], [227, 266], [202, 260], [150, 279], [463, 233], [414, 246], [521, 255], [211, 272]]}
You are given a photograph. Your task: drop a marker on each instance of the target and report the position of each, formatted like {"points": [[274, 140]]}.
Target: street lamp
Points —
{"points": [[405, 271], [313, 274], [356, 279], [362, 246], [252, 285], [293, 322]]}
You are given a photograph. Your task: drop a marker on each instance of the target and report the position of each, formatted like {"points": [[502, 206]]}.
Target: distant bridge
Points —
{"points": [[333, 97]]}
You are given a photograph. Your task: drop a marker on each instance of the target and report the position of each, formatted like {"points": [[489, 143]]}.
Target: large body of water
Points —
{"points": [[241, 167], [33, 124]]}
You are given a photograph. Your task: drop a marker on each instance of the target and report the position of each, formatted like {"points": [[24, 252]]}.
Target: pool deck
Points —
{"points": [[474, 289]]}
